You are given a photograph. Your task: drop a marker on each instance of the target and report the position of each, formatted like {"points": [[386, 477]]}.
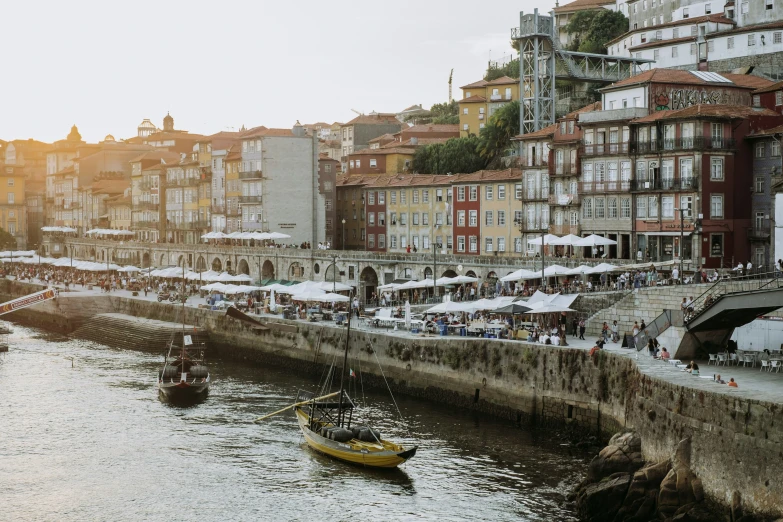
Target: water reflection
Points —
{"points": [[93, 442]]}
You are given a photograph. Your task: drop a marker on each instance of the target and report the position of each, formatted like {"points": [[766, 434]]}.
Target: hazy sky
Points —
{"points": [[217, 65]]}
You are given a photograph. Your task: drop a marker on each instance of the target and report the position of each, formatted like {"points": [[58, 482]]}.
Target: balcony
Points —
{"points": [[564, 230], [564, 200], [146, 224], [664, 185], [231, 212], [535, 195], [255, 174], [606, 149], [250, 199], [527, 161], [602, 187], [146, 205], [758, 233], [564, 169], [628, 113], [183, 182], [695, 143], [148, 185]]}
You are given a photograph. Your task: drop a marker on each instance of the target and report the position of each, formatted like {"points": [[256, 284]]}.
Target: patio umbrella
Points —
{"points": [[548, 240], [448, 306], [601, 268], [568, 240], [336, 287], [334, 298], [517, 307], [594, 240], [129, 269], [520, 274]]}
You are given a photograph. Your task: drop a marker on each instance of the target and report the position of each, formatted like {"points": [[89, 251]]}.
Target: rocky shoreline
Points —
{"points": [[621, 487]]}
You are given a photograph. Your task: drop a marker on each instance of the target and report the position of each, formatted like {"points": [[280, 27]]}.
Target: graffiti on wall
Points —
{"points": [[682, 98]]}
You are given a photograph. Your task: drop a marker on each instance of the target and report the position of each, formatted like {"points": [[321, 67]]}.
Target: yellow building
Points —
{"points": [[233, 164], [13, 215], [418, 213], [481, 99], [499, 211], [118, 209]]}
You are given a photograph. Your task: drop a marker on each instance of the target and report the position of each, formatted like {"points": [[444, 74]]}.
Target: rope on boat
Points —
{"points": [[375, 354]]}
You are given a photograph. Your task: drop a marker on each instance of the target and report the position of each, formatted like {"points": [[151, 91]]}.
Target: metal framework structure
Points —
{"points": [[542, 60]]}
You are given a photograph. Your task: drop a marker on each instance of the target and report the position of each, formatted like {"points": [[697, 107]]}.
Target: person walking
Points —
{"points": [[582, 329]]}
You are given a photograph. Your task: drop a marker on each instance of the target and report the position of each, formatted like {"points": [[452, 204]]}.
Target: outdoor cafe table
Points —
{"points": [[456, 327]]}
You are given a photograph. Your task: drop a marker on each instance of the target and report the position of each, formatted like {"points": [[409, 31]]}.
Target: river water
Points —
{"points": [[93, 442]]}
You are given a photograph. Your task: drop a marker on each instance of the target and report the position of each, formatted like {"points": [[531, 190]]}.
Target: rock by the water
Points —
{"points": [[640, 502], [697, 512], [679, 488], [623, 454], [601, 501]]}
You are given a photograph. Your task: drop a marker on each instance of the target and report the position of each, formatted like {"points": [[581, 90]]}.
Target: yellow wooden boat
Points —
{"points": [[374, 454]]}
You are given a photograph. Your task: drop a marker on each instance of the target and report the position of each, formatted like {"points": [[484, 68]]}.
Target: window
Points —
{"points": [[371, 241], [488, 244], [382, 197], [358, 163], [674, 51], [415, 216], [769, 4], [612, 208], [465, 110], [600, 210], [488, 218], [460, 218], [488, 192], [641, 207], [659, 35], [625, 207], [777, 37], [676, 32], [760, 152], [403, 242], [373, 165], [425, 218], [371, 198], [693, 49], [460, 193], [371, 219], [501, 192], [501, 218], [473, 244], [587, 208], [518, 191], [517, 245], [716, 172], [381, 240], [382, 218], [473, 217], [393, 197], [392, 241], [652, 207], [501, 244], [415, 196], [465, 126], [775, 148], [425, 242], [404, 218], [667, 207], [393, 218], [425, 196], [449, 243], [716, 206], [685, 12], [473, 193], [730, 42], [439, 218], [711, 46], [562, 127], [694, 30], [11, 197], [570, 126], [716, 245], [461, 244], [751, 40], [656, 54], [403, 197], [759, 221], [759, 185]]}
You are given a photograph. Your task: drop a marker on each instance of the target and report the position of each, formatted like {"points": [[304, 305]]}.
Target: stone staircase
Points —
{"points": [[137, 333]]}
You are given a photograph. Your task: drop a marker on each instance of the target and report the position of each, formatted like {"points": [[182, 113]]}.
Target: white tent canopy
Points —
{"points": [[568, 240], [17, 253], [521, 274], [450, 306], [548, 240], [582, 269], [58, 229], [110, 232], [601, 268], [129, 269], [594, 240]]}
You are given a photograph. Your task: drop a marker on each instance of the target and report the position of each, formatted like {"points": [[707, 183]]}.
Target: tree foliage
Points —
{"points": [[592, 29], [457, 155], [495, 137], [440, 114], [7, 241], [495, 71]]}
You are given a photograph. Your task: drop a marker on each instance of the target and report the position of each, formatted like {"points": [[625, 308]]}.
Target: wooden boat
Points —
{"points": [[326, 426], [184, 379]]}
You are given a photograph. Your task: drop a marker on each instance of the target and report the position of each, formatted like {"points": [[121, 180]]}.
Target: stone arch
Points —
{"points": [[295, 270], [217, 265], [92, 253], [145, 260], [471, 273], [428, 273], [228, 265], [243, 268], [449, 273], [162, 260], [492, 276], [369, 278], [201, 264], [330, 275], [180, 260], [268, 270], [65, 251]]}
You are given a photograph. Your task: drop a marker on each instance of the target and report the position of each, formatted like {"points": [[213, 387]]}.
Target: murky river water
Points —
{"points": [[93, 442]]}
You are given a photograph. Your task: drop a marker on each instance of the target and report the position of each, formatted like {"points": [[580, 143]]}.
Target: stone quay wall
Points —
{"points": [[737, 443]]}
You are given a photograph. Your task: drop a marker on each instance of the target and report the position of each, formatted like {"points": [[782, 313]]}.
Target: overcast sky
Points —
{"points": [[222, 64]]}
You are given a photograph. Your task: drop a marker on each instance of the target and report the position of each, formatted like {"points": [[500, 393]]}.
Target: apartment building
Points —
{"points": [[767, 175], [13, 208], [350, 211], [357, 133], [531, 191], [145, 190], [327, 180], [481, 99], [419, 213]]}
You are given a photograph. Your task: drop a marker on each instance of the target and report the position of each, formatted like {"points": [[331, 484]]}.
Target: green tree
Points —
{"points": [[457, 155], [510, 69], [495, 137], [7, 241], [592, 30], [440, 114]]}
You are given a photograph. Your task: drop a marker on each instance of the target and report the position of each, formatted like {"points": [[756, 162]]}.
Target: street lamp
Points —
{"points": [[334, 273], [435, 247], [682, 238], [343, 233]]}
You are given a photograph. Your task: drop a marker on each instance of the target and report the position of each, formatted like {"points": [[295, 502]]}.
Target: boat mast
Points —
{"points": [[183, 313], [345, 363]]}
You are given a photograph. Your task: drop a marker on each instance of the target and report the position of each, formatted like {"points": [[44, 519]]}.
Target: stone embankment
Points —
{"points": [[736, 442]]}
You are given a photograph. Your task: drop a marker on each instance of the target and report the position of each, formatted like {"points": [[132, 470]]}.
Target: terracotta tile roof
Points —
{"points": [[504, 80], [384, 137], [263, 132], [375, 119], [766, 132], [717, 18], [687, 77], [473, 99], [433, 128], [769, 88], [489, 175], [480, 83], [596, 106], [748, 29], [580, 5], [382, 151], [662, 43], [543, 133], [110, 186], [729, 112], [153, 168], [419, 142], [167, 156]]}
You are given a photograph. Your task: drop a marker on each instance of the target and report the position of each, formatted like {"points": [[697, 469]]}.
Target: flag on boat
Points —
{"points": [[353, 374]]}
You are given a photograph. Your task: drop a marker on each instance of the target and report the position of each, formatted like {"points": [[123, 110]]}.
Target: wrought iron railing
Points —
{"points": [[604, 149], [600, 187], [696, 142], [727, 285], [665, 184], [659, 325]]}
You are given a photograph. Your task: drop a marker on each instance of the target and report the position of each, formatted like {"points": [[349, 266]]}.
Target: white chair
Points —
{"points": [[732, 357], [774, 365], [746, 359], [713, 357], [721, 359], [764, 364]]}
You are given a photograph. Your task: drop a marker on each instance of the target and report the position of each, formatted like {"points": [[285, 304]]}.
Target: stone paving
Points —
{"points": [[752, 382]]}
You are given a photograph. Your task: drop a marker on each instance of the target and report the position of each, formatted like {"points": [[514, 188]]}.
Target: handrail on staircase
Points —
{"points": [[745, 283]]}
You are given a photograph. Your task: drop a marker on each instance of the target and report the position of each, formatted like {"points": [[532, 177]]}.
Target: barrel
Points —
{"points": [[198, 371]]}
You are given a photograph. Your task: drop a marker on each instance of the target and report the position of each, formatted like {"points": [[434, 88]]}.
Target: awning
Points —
{"points": [[673, 234]]}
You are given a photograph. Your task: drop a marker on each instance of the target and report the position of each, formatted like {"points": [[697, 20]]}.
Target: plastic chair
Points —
{"points": [[721, 359], [764, 364], [774, 365], [713, 358]]}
